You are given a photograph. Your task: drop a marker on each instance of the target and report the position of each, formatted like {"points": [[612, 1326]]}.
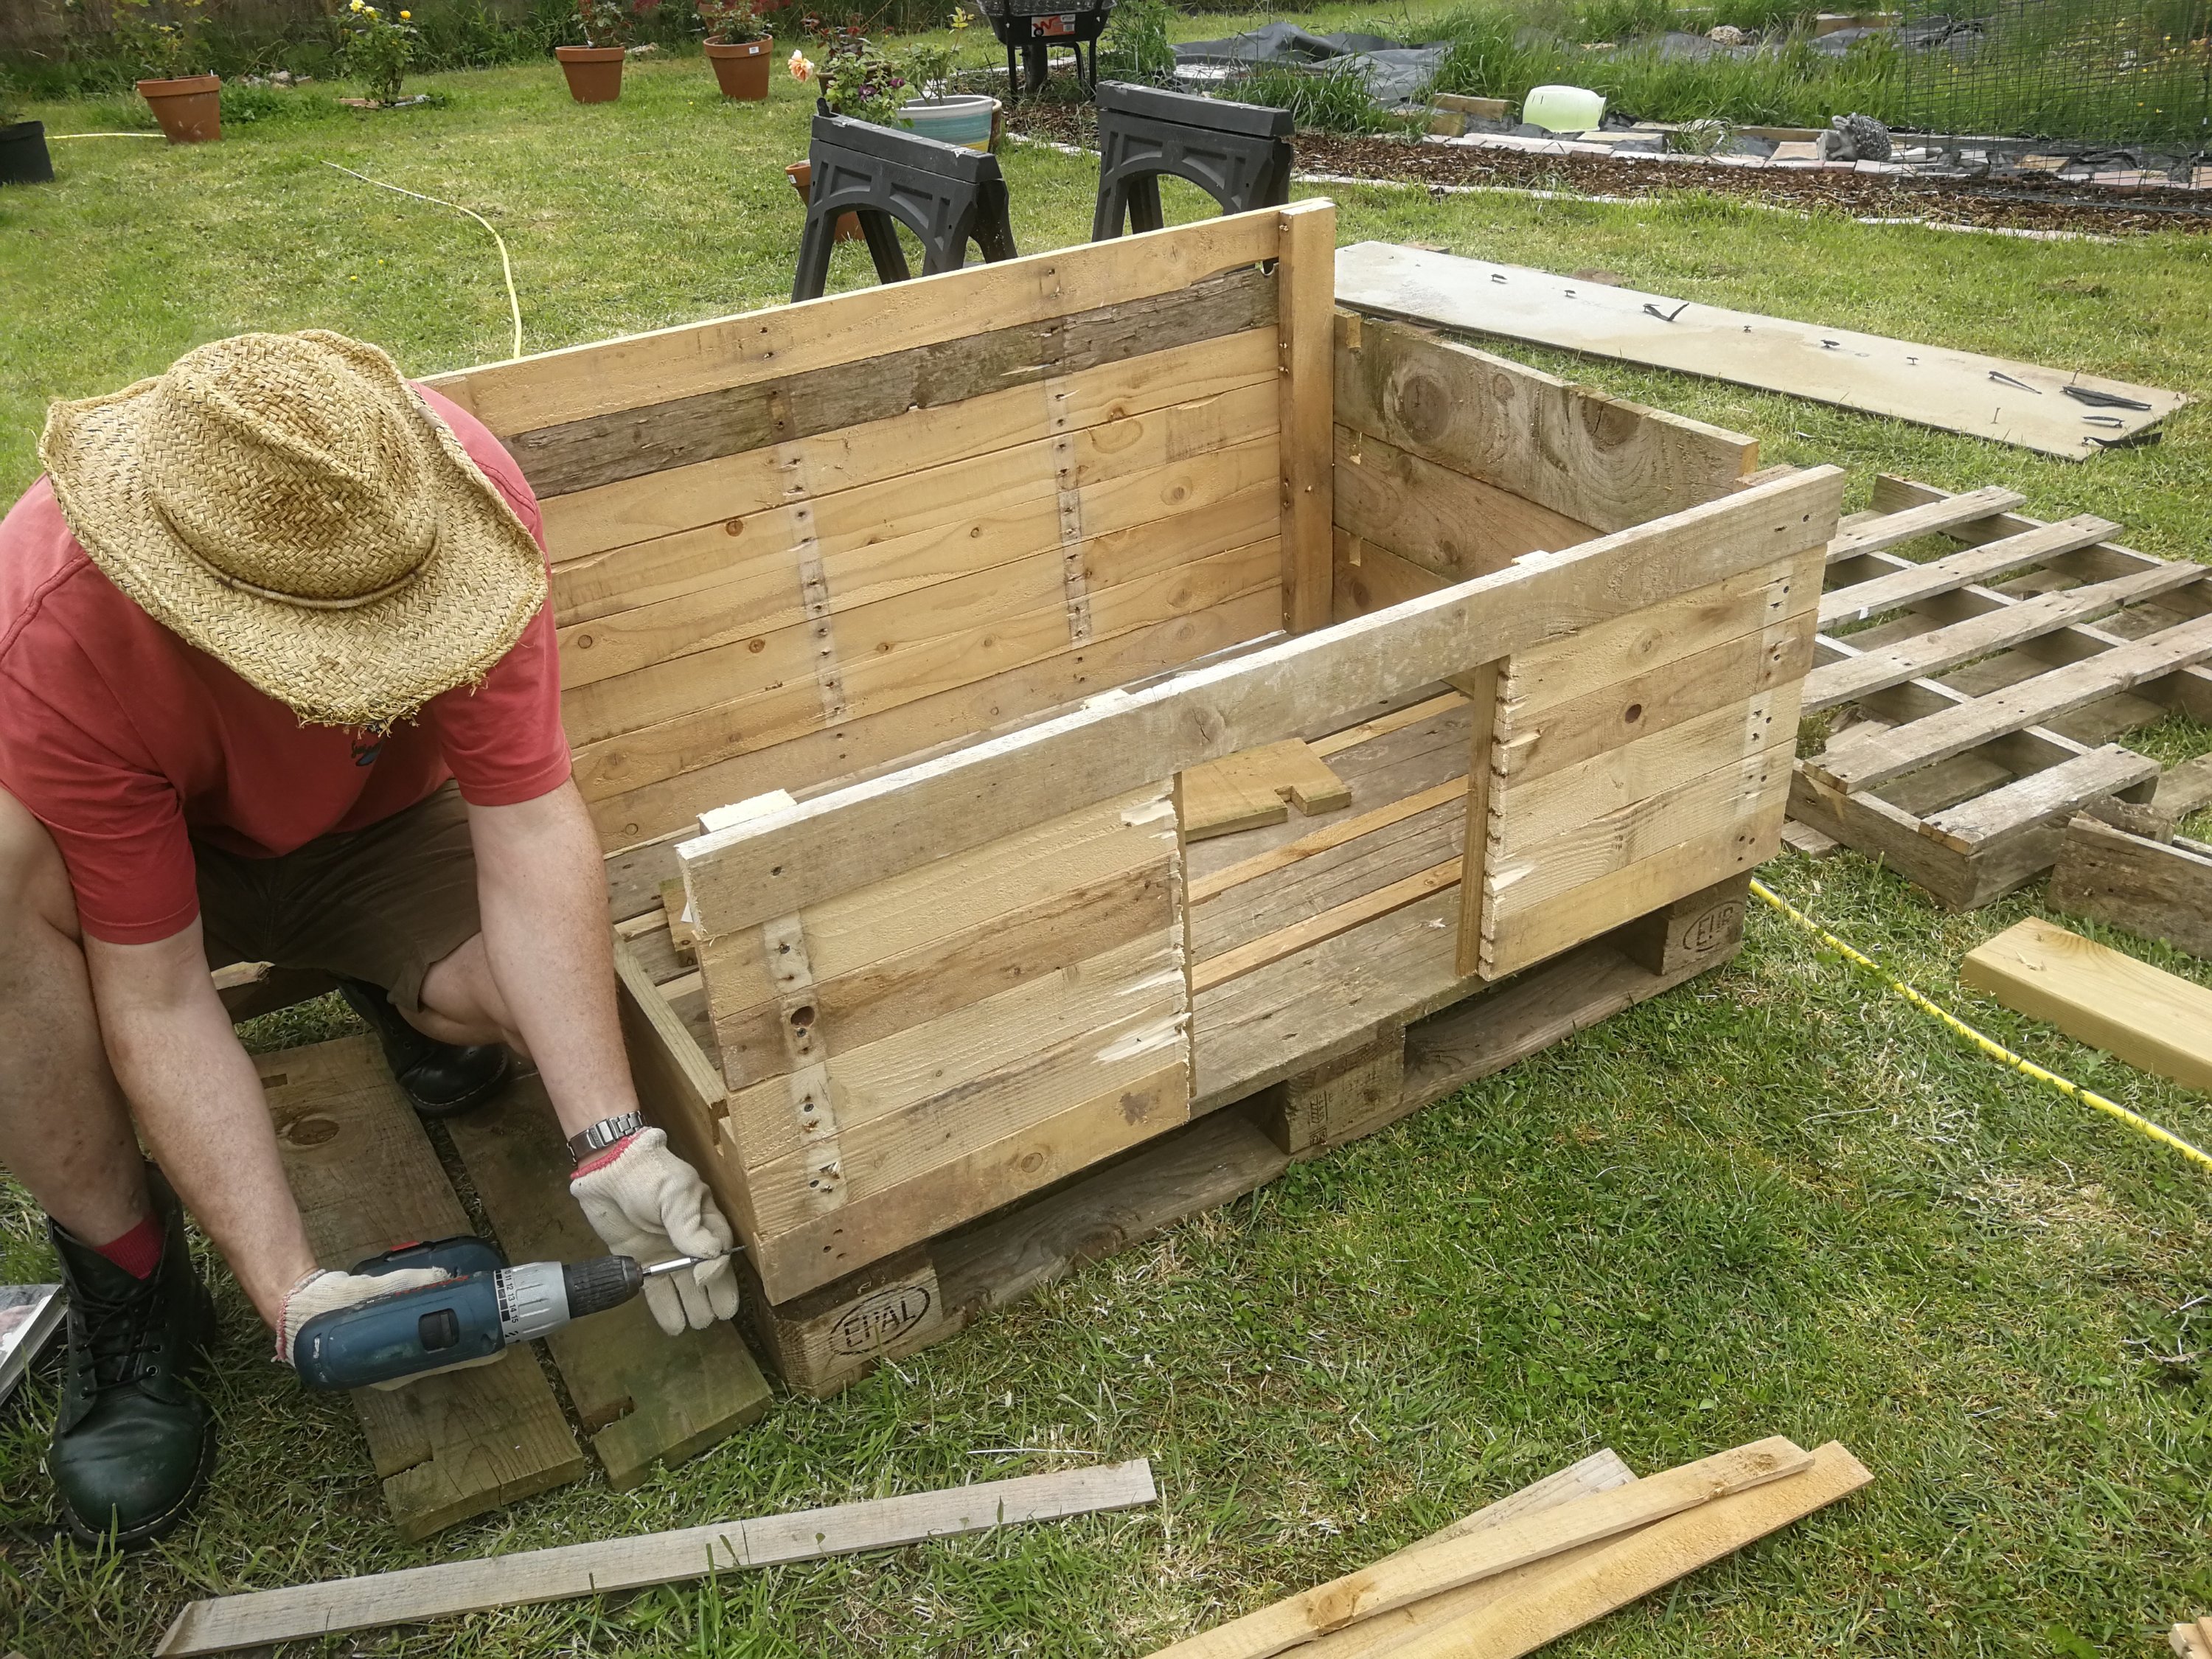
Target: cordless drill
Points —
{"points": [[480, 1309]]}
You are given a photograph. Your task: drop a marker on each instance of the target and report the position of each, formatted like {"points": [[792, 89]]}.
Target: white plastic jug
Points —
{"points": [[1563, 109]]}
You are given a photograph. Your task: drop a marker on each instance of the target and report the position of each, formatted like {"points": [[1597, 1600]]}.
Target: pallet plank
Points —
{"points": [[1893, 529], [446, 1446], [2040, 797], [1438, 520], [1852, 764], [644, 1397], [1306, 277], [1911, 584], [1938, 648], [1589, 458]]}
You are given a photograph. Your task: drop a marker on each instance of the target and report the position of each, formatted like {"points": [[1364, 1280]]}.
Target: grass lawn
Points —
{"points": [[1776, 1200]]}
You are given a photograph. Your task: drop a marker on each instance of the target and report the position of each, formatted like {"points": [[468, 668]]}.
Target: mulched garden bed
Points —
{"points": [[2019, 205]]}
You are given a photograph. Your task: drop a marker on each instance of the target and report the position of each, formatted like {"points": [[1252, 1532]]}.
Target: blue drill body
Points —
{"points": [[482, 1308]]}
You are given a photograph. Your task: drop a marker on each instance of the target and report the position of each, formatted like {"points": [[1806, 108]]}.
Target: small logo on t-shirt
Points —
{"points": [[366, 747]]}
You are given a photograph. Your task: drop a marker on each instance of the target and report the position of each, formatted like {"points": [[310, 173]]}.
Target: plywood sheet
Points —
{"points": [[1933, 385]]}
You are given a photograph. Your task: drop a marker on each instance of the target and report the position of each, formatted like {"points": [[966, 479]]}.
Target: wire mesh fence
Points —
{"points": [[2112, 72]]}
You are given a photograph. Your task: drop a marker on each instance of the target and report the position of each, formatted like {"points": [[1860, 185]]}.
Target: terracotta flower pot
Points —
{"points": [[594, 72], [742, 67], [801, 174], [190, 108]]}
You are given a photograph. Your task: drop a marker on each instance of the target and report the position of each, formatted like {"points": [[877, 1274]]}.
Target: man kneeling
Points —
{"points": [[278, 683]]}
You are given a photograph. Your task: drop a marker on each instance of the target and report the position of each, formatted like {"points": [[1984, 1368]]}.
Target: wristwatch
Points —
{"points": [[603, 1134]]}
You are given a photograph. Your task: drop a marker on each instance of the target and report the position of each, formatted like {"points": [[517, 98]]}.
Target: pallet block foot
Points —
{"points": [[1340, 1101], [828, 1338]]}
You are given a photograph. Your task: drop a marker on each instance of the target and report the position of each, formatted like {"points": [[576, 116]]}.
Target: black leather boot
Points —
{"points": [[133, 1444], [439, 1078]]}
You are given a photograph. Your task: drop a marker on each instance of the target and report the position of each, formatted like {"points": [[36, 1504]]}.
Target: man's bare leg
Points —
{"points": [[461, 1002], [65, 1128]]}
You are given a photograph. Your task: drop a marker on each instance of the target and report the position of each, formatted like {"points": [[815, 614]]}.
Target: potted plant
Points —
{"points": [[378, 50], [23, 156], [853, 79], [955, 118], [164, 36], [739, 44], [594, 68]]}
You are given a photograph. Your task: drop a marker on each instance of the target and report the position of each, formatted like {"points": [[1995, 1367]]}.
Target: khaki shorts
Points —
{"points": [[382, 904]]}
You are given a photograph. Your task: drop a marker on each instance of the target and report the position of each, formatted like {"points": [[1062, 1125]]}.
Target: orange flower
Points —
{"points": [[802, 67]]}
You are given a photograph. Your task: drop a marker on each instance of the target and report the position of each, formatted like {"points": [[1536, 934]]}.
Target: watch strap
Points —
{"points": [[597, 1137]]}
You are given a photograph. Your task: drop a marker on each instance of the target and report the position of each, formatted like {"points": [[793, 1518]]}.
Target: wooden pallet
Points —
{"points": [[1975, 696], [830, 1337], [450, 1447]]}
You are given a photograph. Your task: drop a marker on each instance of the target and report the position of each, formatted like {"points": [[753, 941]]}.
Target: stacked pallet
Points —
{"points": [[1976, 706]]}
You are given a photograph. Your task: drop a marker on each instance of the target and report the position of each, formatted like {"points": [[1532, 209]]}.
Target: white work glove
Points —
{"points": [[649, 1204], [325, 1288]]}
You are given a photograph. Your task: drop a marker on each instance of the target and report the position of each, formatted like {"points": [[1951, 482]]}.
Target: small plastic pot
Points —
{"points": [[594, 72], [189, 108], [23, 156], [801, 174], [741, 67]]}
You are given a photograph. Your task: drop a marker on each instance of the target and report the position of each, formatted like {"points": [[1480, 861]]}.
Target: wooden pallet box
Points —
{"points": [[960, 585]]}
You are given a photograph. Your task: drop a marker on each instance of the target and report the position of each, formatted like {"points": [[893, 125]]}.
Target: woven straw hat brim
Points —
{"points": [[367, 666]]}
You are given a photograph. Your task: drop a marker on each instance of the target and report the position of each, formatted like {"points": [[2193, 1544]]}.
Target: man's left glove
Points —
{"points": [[647, 1203]]}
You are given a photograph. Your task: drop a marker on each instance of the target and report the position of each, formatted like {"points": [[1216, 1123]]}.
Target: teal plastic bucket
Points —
{"points": [[962, 119]]}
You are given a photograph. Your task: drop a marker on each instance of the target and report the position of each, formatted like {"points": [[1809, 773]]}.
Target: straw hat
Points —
{"points": [[289, 504]]}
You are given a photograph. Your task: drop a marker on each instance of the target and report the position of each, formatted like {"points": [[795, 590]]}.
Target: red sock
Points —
{"points": [[139, 1252]]}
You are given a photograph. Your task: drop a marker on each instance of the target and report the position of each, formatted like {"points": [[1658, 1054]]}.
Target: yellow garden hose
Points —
{"points": [[1988, 1045], [507, 268]]}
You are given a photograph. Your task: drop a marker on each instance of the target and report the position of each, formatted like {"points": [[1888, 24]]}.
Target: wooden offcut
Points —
{"points": [[2160, 890], [1439, 1567], [2098, 995], [2192, 1639], [1931, 386], [608, 1566], [1242, 791], [447, 1446]]}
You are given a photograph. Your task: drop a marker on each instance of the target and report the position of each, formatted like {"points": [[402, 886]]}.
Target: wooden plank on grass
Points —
{"points": [[367, 1178], [2156, 889], [846, 838], [1858, 761], [1543, 1602], [1305, 275], [1914, 584], [1480, 1552], [609, 1565], [1931, 384], [2100, 996], [1593, 460], [644, 1397]]}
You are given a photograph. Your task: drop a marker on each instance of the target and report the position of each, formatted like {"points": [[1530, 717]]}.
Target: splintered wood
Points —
{"points": [[922, 1049], [1570, 1549]]}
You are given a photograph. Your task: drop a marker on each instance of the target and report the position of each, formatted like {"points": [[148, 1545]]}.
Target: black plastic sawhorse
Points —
{"points": [[1237, 154], [946, 194]]}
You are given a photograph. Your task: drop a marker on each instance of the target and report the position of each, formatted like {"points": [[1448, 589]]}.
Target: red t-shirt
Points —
{"points": [[128, 743]]}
